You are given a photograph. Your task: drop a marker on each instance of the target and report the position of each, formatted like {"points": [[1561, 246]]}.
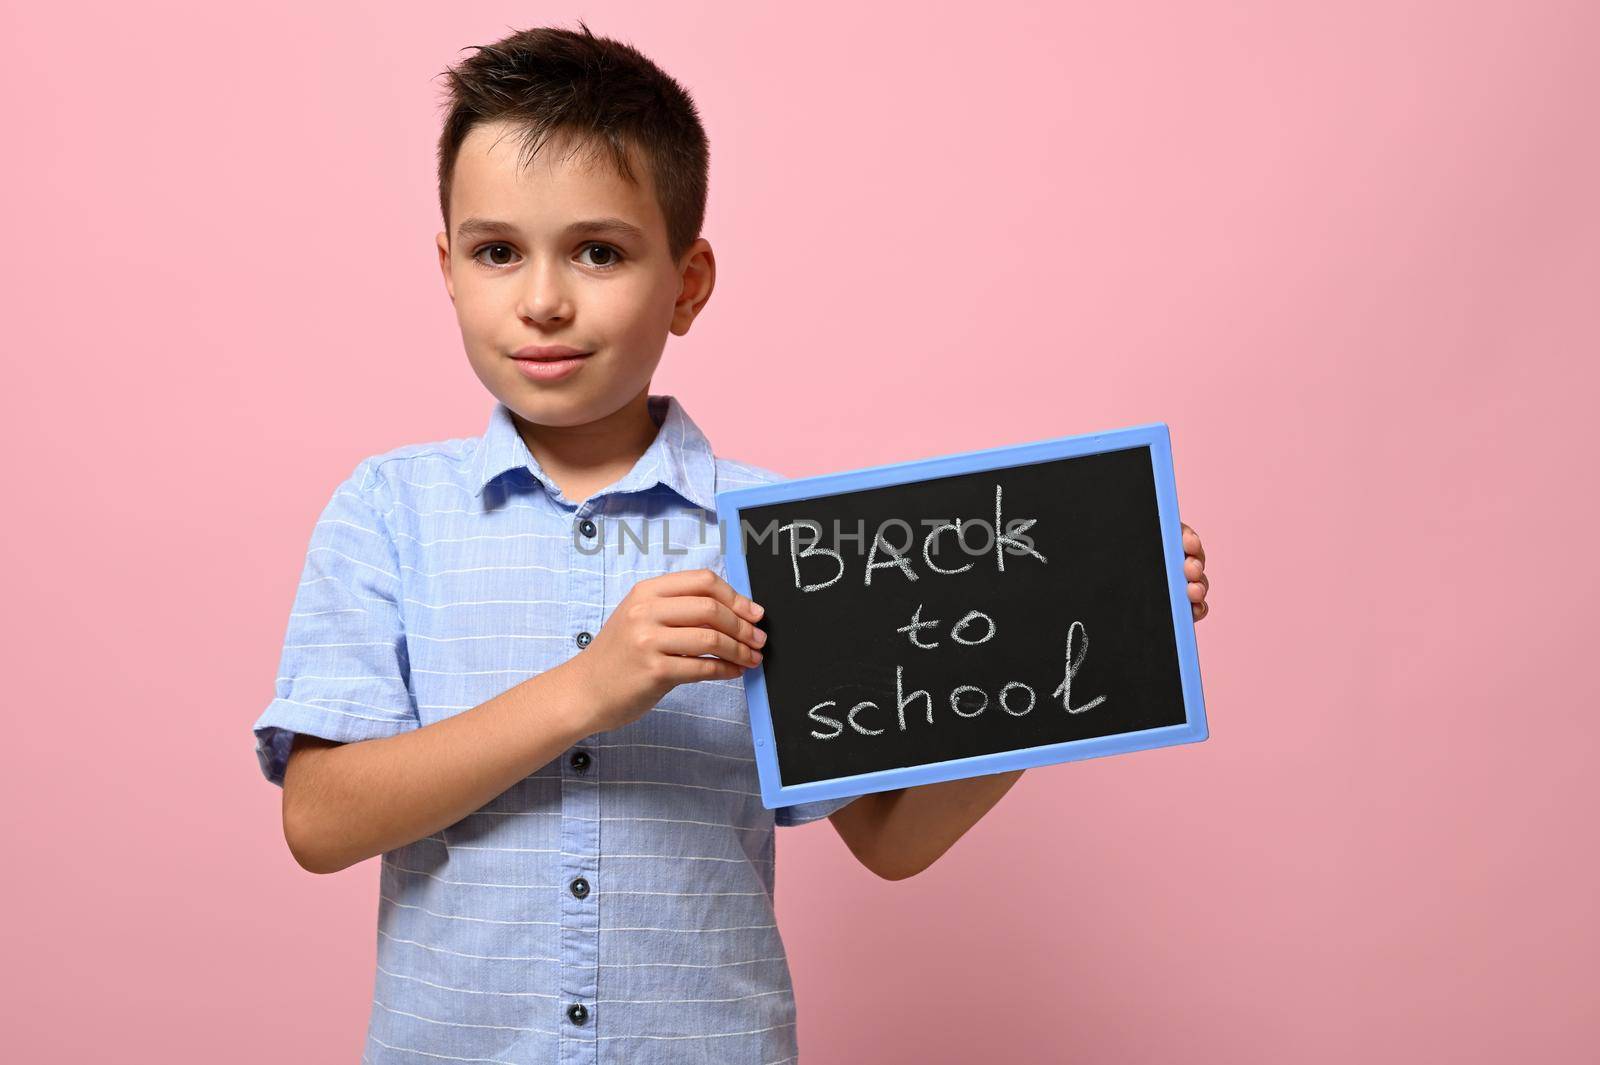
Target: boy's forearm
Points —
{"points": [[347, 803], [906, 830]]}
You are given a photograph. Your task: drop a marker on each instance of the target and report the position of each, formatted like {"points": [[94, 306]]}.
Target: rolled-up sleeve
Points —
{"points": [[344, 673], [801, 813]]}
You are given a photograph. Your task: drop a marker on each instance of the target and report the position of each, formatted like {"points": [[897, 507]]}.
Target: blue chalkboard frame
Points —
{"points": [[731, 504]]}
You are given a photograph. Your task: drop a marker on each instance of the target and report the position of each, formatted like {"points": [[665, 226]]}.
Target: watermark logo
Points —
{"points": [[804, 537]]}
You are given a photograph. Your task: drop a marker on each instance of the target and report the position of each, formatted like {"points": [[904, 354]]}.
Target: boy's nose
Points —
{"points": [[544, 295]]}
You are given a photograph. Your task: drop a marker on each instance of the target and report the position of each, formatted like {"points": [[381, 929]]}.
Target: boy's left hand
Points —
{"points": [[1194, 570]]}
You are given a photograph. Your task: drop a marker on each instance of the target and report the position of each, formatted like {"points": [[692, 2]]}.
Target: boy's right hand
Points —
{"points": [[651, 643]]}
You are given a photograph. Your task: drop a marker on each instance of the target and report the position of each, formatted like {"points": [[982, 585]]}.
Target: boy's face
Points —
{"points": [[543, 276]]}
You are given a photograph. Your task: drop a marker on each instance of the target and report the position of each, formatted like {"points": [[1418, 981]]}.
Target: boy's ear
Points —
{"points": [[443, 242], [697, 277]]}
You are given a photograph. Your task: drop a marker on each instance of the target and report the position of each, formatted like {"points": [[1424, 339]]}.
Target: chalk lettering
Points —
{"points": [[1000, 539], [966, 700], [961, 534], [897, 559], [1005, 537], [901, 698], [824, 719], [955, 700], [851, 717], [927, 547], [916, 624], [795, 555], [1016, 684], [955, 631], [1064, 689]]}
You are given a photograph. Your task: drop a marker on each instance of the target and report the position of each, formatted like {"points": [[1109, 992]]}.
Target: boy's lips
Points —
{"points": [[550, 363], [548, 353]]}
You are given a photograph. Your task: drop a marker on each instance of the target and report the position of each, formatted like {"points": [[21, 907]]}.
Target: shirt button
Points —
{"points": [[583, 639], [576, 1013], [580, 760], [580, 888], [587, 528]]}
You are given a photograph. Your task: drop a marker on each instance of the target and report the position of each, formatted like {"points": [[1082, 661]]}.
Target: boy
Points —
{"points": [[576, 865]]}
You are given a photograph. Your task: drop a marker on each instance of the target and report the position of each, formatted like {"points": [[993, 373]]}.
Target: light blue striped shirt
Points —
{"points": [[617, 905]]}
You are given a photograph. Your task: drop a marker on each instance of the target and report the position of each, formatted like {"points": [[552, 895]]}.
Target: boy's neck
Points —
{"points": [[582, 459]]}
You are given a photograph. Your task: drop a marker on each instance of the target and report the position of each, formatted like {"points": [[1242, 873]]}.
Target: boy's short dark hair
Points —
{"points": [[548, 80]]}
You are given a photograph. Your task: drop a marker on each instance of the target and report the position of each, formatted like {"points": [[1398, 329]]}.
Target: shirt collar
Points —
{"points": [[679, 457]]}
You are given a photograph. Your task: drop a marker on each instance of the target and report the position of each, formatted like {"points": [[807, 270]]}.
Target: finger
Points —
{"points": [[684, 668], [1193, 568], [1192, 545], [706, 582], [1199, 610], [1197, 592], [686, 640], [699, 611]]}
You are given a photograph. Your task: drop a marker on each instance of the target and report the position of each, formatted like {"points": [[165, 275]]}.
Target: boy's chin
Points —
{"points": [[559, 405]]}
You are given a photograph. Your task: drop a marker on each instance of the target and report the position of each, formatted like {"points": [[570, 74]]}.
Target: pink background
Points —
{"points": [[1348, 252]]}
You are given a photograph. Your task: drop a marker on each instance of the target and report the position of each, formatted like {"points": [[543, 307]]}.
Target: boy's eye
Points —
{"points": [[610, 256], [478, 255]]}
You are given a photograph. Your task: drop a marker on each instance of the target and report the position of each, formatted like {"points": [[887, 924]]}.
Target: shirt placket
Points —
{"points": [[584, 586]]}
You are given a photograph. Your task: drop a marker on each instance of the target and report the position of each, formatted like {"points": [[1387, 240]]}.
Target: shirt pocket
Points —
{"points": [[711, 718]]}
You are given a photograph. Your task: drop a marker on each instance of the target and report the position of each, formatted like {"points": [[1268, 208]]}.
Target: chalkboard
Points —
{"points": [[966, 614]]}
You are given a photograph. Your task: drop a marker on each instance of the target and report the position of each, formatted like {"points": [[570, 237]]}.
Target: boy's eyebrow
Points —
{"points": [[472, 227]]}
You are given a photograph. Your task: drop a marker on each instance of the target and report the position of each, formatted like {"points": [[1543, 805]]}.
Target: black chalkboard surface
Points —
{"points": [[966, 615]]}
